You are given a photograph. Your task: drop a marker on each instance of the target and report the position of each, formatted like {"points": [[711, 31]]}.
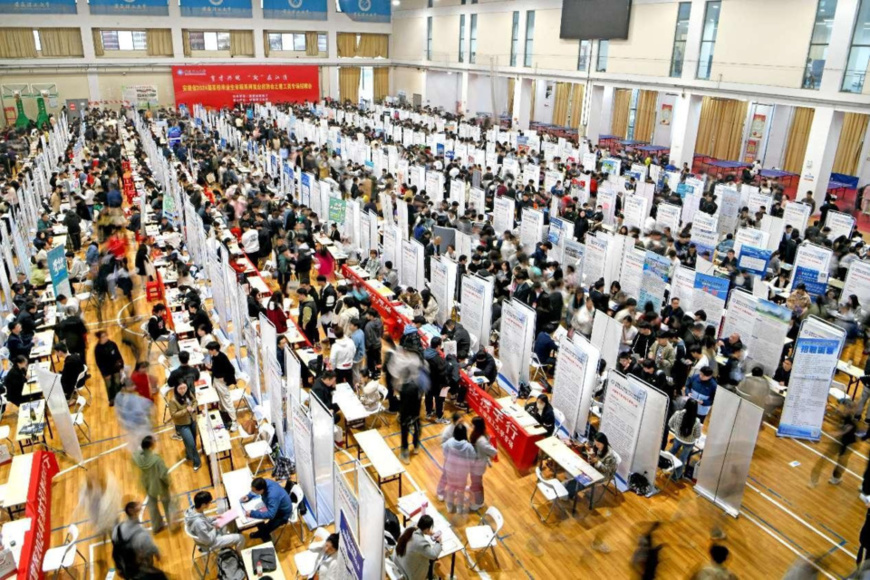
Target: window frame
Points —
{"points": [[515, 37], [847, 75], [213, 38], [461, 38], [125, 40], [583, 57], [429, 38], [472, 37], [601, 64], [529, 39], [711, 42], [680, 43]]}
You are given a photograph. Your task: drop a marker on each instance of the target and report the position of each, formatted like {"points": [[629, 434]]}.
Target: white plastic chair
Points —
{"points": [[306, 562], [553, 491], [82, 381], [378, 414], [675, 464], [295, 518], [63, 557], [261, 448], [203, 550], [78, 418], [560, 421], [165, 390], [484, 536]]}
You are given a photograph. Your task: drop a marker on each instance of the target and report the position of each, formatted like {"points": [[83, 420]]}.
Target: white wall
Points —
{"points": [[650, 42], [442, 90], [777, 137], [543, 103], [480, 94], [662, 133]]}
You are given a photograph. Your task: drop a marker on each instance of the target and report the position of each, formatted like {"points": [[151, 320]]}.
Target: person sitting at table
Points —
{"points": [[205, 530], [453, 330], [253, 301], [76, 267], [755, 389], [39, 275], [601, 456], [372, 265], [324, 388], [15, 380], [329, 567], [223, 376], [66, 304], [17, 343], [73, 367], [158, 332], [729, 260], [542, 411], [418, 548], [545, 347], [277, 507], [390, 277], [783, 372], [275, 312], [730, 344], [199, 317], [484, 364], [430, 306], [184, 373], [29, 319]]}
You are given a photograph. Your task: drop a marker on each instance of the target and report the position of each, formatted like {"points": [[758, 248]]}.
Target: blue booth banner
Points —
{"points": [[754, 260], [816, 282], [130, 7], [37, 6], [366, 10], [217, 8], [58, 272], [295, 9]]}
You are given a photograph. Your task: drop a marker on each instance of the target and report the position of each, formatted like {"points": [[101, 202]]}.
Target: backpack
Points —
{"points": [[391, 524], [230, 566], [124, 556], [639, 484]]}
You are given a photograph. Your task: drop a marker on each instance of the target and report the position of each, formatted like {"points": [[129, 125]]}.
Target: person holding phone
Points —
{"points": [[418, 548]]}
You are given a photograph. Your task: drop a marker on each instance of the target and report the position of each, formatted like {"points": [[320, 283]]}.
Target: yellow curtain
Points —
{"points": [[851, 142], [373, 46], [575, 110], [61, 41], [311, 44], [17, 43], [798, 136], [348, 83], [346, 44], [241, 43], [560, 104], [98, 42], [532, 101], [720, 131], [185, 42], [621, 105], [382, 83], [645, 116], [159, 41], [510, 96]]}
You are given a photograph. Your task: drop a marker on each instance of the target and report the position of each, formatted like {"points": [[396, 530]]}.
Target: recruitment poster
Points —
{"points": [[621, 418], [815, 361]]}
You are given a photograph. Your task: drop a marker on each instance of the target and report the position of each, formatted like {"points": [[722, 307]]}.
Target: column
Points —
{"points": [[257, 13], [331, 72], [838, 49], [177, 39], [684, 128], [821, 151], [522, 103], [774, 149], [693, 40], [463, 93], [606, 114], [595, 99]]}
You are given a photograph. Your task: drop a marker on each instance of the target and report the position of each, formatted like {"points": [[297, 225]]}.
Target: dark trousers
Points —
{"points": [[344, 376], [373, 360], [76, 240], [263, 530], [865, 485], [410, 424], [435, 402]]}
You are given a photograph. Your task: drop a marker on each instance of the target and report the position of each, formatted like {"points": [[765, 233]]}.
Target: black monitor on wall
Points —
{"points": [[593, 19]]}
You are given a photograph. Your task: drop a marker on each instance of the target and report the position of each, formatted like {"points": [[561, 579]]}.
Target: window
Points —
{"points": [[679, 53], [708, 38], [603, 48], [429, 4], [462, 38], [515, 38], [472, 52], [429, 38], [37, 40], [290, 41], [202, 40], [474, 1], [124, 40], [819, 41], [632, 113], [583, 55], [321, 42], [859, 54], [530, 37]]}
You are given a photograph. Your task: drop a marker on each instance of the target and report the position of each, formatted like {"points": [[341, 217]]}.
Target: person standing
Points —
{"points": [[183, 409], [407, 372], [374, 332], [459, 454], [434, 357], [134, 549], [686, 427], [154, 477], [486, 453], [841, 448], [111, 364], [223, 376]]}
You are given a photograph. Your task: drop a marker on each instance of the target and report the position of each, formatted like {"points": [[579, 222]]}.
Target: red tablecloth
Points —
{"points": [[506, 431], [394, 321]]}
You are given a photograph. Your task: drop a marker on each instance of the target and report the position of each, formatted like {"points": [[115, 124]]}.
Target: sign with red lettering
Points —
{"points": [[38, 539], [223, 85]]}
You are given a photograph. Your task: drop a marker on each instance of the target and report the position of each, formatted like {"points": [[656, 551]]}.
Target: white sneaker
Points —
{"points": [[234, 427], [440, 497], [865, 499], [835, 480]]}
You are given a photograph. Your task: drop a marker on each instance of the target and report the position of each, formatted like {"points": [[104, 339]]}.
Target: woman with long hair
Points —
{"points": [[459, 455], [686, 427], [486, 452], [324, 260], [182, 408], [430, 306], [418, 548], [275, 312]]}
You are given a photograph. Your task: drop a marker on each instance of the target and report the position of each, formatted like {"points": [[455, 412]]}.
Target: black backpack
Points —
{"points": [[230, 566], [126, 560]]}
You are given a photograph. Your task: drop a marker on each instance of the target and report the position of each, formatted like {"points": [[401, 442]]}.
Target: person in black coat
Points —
{"points": [[111, 363], [15, 380], [484, 364], [17, 343], [453, 330], [198, 317], [72, 331], [324, 388], [543, 412], [73, 366]]}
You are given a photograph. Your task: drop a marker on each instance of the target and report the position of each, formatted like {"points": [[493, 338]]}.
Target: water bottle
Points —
{"points": [[259, 568]]}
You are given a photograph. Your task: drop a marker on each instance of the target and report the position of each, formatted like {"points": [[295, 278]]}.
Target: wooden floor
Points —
{"points": [[782, 519]]}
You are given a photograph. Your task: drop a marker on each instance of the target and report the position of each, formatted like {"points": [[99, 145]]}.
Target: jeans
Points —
{"points": [[188, 435], [113, 386], [435, 402], [682, 451], [409, 423]]}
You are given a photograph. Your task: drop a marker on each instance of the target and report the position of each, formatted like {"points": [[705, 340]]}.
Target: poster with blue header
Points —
{"points": [[58, 272], [217, 8], [816, 282], [753, 260], [129, 7], [295, 9]]}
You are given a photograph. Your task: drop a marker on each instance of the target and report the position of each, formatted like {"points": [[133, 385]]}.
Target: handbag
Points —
{"points": [[266, 557]]}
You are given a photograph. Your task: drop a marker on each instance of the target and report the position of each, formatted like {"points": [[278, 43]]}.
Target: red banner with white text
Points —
{"points": [[37, 540], [223, 85]]}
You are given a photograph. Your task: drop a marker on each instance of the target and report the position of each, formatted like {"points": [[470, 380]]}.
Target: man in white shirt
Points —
{"points": [[341, 356], [251, 242]]}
